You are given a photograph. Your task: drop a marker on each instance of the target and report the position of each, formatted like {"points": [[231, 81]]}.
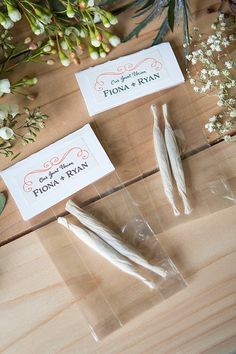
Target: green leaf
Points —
{"points": [[142, 11], [122, 8], [162, 32], [56, 5], [186, 27], [15, 156], [146, 6], [171, 14], [2, 202], [141, 26]]}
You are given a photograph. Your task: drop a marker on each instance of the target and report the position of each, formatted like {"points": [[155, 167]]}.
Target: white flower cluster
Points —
{"points": [[219, 125], [213, 75], [15, 126]]}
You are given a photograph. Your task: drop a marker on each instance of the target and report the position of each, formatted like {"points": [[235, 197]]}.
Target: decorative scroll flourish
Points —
{"points": [[154, 63], [54, 161]]}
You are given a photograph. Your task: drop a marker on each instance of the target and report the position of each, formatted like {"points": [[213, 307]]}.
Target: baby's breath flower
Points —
{"points": [[216, 72], [228, 64], [227, 138], [209, 127], [211, 39], [213, 119], [225, 72], [233, 114], [221, 17], [208, 84], [225, 42], [228, 84]]}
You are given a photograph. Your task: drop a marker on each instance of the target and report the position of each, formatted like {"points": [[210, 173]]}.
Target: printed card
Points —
{"points": [[119, 81], [54, 173]]}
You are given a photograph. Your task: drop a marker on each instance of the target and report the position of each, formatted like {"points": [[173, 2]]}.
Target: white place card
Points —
{"points": [[56, 172], [122, 80]]}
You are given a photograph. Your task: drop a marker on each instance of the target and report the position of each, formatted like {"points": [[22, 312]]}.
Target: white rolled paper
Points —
{"points": [[175, 161], [111, 238], [163, 161], [106, 251]]}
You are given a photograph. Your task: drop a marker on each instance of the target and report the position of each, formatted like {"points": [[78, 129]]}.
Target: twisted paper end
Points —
{"points": [[150, 284], [69, 204], [165, 114], [155, 114], [187, 206], [63, 222], [158, 270], [176, 211]]}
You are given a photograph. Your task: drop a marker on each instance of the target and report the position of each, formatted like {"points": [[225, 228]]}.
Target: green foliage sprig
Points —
{"points": [[212, 65], [68, 28], [18, 126], [174, 10], [60, 28]]}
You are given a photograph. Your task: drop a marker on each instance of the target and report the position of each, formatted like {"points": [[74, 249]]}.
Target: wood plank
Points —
{"points": [[61, 99], [125, 25], [126, 132], [210, 177], [40, 302]]}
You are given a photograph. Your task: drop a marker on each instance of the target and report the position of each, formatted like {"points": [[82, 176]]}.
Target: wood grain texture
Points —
{"points": [[45, 288], [210, 175], [125, 132], [40, 305]]}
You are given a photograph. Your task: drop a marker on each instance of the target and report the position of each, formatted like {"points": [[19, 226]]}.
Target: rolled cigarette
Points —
{"points": [[175, 161], [112, 238], [106, 251], [163, 161]]}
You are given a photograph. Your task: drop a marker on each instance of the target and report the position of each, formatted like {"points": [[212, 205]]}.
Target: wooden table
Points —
{"points": [[39, 312]]}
